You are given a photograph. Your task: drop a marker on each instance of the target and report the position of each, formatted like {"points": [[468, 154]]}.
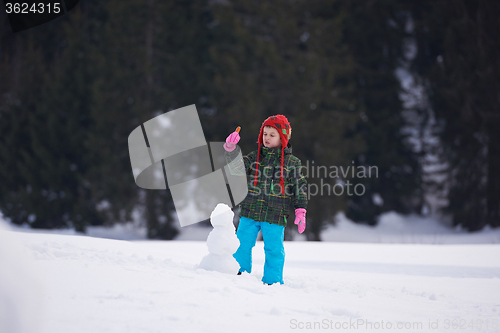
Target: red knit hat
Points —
{"points": [[284, 129]]}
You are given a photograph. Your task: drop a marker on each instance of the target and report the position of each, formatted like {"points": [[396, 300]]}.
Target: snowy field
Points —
{"points": [[56, 283], [392, 228]]}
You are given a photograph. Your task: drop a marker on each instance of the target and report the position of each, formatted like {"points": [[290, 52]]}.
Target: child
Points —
{"points": [[274, 183]]}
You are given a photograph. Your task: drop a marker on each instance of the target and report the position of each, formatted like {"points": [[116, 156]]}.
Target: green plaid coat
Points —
{"points": [[265, 202]]}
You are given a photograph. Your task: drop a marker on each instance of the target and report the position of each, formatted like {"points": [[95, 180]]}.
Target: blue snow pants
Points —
{"points": [[273, 236]]}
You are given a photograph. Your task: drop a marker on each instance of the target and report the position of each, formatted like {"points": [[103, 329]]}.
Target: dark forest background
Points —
{"points": [[411, 87]]}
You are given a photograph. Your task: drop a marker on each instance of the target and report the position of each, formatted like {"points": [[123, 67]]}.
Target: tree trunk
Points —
{"points": [[493, 187]]}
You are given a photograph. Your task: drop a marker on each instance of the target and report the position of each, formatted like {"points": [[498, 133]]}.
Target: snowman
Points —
{"points": [[221, 242]]}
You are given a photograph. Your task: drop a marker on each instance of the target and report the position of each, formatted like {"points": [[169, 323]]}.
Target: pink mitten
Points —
{"points": [[231, 141], [300, 219]]}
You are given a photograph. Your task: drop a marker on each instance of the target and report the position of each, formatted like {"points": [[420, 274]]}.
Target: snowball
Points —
{"points": [[222, 241], [223, 264], [222, 216]]}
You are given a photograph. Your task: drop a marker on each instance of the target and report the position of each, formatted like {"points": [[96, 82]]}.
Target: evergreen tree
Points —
{"points": [[152, 59], [55, 168], [121, 100], [375, 36], [46, 122], [459, 60], [23, 65]]}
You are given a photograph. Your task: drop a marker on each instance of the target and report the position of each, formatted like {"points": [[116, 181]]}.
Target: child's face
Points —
{"points": [[270, 137]]}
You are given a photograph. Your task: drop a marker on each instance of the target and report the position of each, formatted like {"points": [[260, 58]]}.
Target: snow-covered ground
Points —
{"points": [[85, 284], [392, 228], [396, 228]]}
